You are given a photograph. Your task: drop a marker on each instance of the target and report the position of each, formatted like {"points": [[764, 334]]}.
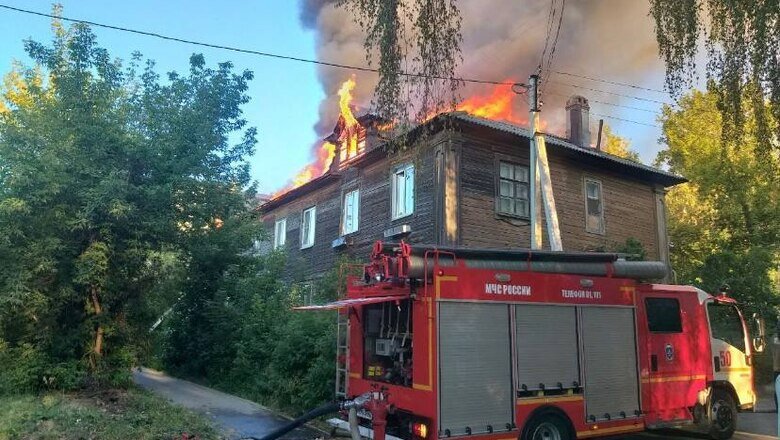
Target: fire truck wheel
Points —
{"points": [[723, 415], [548, 426]]}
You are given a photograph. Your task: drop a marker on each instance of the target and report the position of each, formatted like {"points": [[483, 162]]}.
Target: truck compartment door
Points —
{"points": [[475, 368], [610, 363]]}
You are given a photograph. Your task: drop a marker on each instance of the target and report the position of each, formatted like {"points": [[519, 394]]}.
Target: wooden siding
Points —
{"points": [[374, 183], [629, 205]]}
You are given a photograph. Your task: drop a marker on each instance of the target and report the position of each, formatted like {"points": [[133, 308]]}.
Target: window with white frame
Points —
{"points": [[594, 207], [308, 223], [351, 212], [512, 189], [403, 192], [280, 233]]}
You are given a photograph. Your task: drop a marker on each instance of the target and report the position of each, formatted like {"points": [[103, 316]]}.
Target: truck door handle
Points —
{"points": [[716, 361], [653, 362]]}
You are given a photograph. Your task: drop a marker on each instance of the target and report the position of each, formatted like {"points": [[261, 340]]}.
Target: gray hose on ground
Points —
{"points": [[354, 428]]}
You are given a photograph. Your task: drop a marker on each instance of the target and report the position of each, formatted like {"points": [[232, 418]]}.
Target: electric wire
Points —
{"points": [[616, 83], [626, 120], [515, 85], [612, 104], [639, 98], [249, 51], [553, 47]]}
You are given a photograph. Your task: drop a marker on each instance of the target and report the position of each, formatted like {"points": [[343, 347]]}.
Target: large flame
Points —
{"points": [[498, 105], [327, 152]]}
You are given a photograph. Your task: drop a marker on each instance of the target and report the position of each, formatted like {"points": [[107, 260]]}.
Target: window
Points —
{"points": [[351, 215], [663, 315], [512, 190], [308, 222], [280, 233], [403, 192], [726, 325], [594, 207]]}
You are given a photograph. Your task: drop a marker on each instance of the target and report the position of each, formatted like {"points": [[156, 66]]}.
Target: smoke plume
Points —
{"points": [[503, 39]]}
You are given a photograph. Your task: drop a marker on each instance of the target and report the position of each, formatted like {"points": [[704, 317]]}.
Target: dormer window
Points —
{"points": [[352, 145]]}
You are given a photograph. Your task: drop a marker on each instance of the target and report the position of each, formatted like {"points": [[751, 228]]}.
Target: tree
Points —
{"points": [[724, 225], [618, 146], [108, 181], [418, 46], [742, 40]]}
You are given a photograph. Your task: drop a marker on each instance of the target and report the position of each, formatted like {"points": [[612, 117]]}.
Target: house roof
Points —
{"points": [[560, 145], [614, 162]]}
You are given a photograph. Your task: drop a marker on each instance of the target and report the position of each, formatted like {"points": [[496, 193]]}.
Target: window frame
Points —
{"points": [[603, 229], [280, 243], [402, 169], [356, 214], [313, 228], [497, 195], [678, 329]]}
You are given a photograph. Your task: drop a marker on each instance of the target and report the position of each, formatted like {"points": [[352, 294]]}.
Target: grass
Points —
{"points": [[113, 414]]}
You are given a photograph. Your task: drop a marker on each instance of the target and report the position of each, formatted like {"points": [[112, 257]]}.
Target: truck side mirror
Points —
{"points": [[759, 341]]}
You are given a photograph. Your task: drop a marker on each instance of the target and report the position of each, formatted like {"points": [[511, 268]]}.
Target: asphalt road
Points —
{"points": [[242, 418], [239, 417]]}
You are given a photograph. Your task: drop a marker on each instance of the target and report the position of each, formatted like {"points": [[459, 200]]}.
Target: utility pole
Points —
{"points": [[540, 181]]}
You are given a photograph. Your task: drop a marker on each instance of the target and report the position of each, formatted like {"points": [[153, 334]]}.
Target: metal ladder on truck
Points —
{"points": [[342, 353]]}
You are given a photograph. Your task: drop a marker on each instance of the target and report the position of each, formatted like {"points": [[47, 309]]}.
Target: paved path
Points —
{"points": [[240, 417]]}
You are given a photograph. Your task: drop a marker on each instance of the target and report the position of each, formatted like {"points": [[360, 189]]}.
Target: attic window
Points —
{"points": [[352, 145]]}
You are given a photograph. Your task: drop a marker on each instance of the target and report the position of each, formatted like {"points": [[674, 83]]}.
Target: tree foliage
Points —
{"points": [[742, 42], [110, 180], [618, 146], [724, 225], [417, 43]]}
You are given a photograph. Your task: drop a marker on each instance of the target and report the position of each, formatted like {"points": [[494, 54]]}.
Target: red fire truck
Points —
{"points": [[496, 345]]}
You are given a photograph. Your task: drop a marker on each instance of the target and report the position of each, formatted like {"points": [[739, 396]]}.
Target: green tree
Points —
{"points": [[724, 225], [618, 146], [108, 182], [742, 39]]}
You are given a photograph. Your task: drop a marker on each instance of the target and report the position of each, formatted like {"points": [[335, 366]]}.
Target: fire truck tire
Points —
{"points": [[548, 425], [722, 414]]}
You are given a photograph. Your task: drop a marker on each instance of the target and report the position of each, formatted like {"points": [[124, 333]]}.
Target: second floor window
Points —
{"points": [[308, 222], [512, 190], [403, 192], [349, 221], [280, 233], [594, 207]]}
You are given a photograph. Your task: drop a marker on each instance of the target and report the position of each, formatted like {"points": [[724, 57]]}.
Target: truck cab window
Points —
{"points": [[663, 315], [387, 343], [726, 324]]}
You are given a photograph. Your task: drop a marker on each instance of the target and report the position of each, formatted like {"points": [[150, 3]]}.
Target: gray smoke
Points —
{"points": [[503, 39]]}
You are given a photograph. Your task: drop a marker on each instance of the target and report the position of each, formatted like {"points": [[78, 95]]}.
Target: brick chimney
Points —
{"points": [[578, 121]]}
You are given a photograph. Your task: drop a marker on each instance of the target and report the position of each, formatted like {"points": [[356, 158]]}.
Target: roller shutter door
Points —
{"points": [[475, 367], [610, 365], [546, 346]]}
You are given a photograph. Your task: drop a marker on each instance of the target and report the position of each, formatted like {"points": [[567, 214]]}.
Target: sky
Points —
{"points": [[286, 96]]}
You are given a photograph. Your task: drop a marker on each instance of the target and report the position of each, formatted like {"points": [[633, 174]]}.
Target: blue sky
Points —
{"points": [[285, 95]]}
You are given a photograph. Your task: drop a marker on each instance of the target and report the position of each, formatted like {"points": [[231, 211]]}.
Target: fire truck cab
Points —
{"points": [[494, 345]]}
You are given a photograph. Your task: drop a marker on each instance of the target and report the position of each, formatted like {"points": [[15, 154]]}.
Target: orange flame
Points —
{"points": [[327, 152], [498, 105]]}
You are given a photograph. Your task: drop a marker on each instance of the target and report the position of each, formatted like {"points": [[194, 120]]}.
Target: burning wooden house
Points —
{"points": [[464, 184]]}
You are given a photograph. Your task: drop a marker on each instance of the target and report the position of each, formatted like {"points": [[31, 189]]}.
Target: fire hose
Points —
{"points": [[372, 401]]}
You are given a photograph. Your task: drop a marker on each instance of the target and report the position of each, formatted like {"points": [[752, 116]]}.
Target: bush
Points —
{"points": [[21, 369]]}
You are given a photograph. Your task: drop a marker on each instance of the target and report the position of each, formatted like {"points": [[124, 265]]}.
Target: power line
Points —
{"points": [[248, 51], [610, 93], [616, 83], [626, 120], [612, 104]]}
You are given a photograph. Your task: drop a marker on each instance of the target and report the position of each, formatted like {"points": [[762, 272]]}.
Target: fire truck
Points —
{"points": [[496, 345]]}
